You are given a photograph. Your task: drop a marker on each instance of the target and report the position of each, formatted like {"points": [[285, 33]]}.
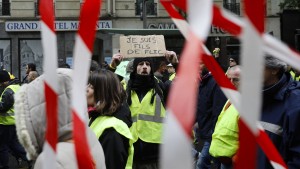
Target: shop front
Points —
{"points": [[20, 43]]}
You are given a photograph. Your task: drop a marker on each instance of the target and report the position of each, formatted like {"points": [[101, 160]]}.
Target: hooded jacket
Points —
{"points": [[144, 151], [114, 144], [280, 118], [7, 100], [210, 103], [31, 119]]}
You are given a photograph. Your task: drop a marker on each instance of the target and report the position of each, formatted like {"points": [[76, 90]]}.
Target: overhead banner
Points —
{"points": [[16, 26]]}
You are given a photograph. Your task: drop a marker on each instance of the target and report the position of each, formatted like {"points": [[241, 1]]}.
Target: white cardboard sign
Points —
{"points": [[142, 46]]}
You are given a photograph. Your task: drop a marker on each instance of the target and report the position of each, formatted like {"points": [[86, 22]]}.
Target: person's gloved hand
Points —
{"points": [[171, 57], [116, 60]]}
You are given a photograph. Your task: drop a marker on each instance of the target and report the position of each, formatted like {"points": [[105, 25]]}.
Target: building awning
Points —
{"points": [[142, 31]]}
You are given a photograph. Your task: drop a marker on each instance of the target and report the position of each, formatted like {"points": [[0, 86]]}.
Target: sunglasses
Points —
{"points": [[234, 79], [231, 60]]}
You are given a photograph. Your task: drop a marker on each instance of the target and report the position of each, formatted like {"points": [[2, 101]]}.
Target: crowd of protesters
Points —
{"points": [[279, 118], [126, 115]]}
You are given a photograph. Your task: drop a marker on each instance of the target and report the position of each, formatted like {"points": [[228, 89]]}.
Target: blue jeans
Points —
{"points": [[226, 166], [205, 159], [9, 141]]}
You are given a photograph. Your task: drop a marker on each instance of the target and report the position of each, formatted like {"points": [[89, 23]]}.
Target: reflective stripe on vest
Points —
{"points": [[157, 116], [172, 76], [101, 123], [273, 128], [293, 74], [8, 118], [124, 84], [147, 118]]}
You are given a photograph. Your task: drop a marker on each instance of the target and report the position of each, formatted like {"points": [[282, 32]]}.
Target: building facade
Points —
{"points": [[20, 39]]}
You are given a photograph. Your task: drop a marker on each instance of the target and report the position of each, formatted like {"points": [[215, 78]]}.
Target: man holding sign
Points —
{"points": [[146, 98]]}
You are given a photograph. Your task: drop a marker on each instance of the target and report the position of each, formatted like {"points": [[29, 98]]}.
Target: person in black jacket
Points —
{"points": [[29, 67], [9, 140], [210, 103], [109, 111], [280, 115], [146, 98]]}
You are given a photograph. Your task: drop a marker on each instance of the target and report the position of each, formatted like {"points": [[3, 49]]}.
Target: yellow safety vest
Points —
{"points": [[8, 118], [147, 119], [296, 78], [172, 76], [102, 123], [225, 139], [124, 84]]}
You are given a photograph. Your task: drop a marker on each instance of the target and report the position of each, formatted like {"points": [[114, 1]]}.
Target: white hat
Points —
{"points": [[170, 65]]}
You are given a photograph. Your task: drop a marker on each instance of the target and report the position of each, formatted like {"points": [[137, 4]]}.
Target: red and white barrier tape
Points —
{"points": [[234, 25], [51, 84], [251, 82], [182, 104], [82, 56], [226, 85], [272, 46], [176, 17]]}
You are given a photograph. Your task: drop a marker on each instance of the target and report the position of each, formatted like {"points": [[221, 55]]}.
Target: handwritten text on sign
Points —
{"points": [[142, 46]]}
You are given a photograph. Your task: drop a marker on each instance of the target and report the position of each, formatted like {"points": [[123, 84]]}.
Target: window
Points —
{"points": [[5, 54], [297, 39], [232, 46], [151, 7], [4, 8], [37, 11], [232, 6], [36, 7], [31, 51]]}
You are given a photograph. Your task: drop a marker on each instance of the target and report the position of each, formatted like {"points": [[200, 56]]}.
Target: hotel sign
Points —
{"points": [[162, 26], [214, 30], [16, 26]]}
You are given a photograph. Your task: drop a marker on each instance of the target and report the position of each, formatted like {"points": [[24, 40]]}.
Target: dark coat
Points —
{"points": [[8, 100], [144, 151], [210, 103], [281, 107], [115, 146]]}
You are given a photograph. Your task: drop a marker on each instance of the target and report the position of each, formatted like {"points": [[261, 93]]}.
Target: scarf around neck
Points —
{"points": [[142, 82]]}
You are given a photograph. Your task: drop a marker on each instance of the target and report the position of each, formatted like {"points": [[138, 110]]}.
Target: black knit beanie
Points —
{"points": [[236, 59], [138, 60], [4, 76], [133, 77]]}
